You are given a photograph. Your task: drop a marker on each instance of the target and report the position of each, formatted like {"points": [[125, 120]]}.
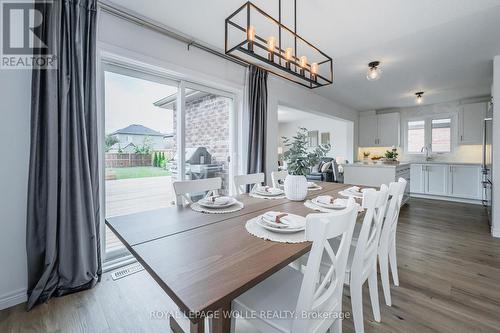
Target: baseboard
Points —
{"points": [[495, 232], [14, 298], [451, 199]]}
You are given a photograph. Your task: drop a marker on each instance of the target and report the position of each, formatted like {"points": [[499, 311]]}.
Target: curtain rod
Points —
{"points": [[134, 18]]}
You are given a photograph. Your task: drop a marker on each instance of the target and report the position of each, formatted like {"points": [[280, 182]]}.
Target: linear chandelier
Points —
{"points": [[250, 36]]}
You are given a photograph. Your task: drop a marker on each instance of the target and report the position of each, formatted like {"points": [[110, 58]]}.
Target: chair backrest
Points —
{"points": [[277, 176], [241, 181], [365, 255], [396, 191], [327, 296], [184, 189]]}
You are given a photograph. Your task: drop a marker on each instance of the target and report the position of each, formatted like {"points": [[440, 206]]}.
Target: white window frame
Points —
{"points": [[428, 131], [127, 66]]}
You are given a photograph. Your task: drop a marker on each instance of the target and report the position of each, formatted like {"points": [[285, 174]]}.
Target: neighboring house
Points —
{"points": [[135, 135], [120, 148]]}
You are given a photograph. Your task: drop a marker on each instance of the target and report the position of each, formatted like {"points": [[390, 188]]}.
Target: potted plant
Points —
{"points": [[391, 155], [299, 161]]}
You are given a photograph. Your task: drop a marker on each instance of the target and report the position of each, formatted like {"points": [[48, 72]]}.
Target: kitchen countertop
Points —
{"points": [[442, 162], [403, 163], [378, 164]]}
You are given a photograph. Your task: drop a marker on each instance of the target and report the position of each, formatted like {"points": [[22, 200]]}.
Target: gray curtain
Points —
{"points": [[257, 115], [63, 204]]}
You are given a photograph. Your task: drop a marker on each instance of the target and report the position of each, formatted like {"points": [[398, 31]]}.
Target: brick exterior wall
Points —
{"points": [[207, 125]]}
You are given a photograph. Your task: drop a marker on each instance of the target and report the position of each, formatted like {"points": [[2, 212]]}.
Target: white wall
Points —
{"points": [[341, 133], [14, 151], [282, 92], [496, 148], [131, 41]]}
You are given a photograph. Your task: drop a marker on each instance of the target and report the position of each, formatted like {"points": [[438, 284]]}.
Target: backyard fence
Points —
{"points": [[125, 160]]}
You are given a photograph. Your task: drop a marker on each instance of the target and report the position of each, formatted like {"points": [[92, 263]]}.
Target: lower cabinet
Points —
{"points": [[437, 180], [464, 180], [446, 180]]}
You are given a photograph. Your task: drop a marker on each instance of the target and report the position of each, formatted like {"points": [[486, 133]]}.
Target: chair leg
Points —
{"points": [[394, 263], [384, 276], [372, 285], [357, 306]]}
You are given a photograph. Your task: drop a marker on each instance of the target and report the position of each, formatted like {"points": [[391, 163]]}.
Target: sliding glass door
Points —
{"points": [[158, 130], [140, 145]]}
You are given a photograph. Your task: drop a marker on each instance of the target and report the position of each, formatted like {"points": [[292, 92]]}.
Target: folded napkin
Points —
{"points": [[325, 199], [311, 184], [353, 189], [217, 200], [276, 217], [267, 189]]}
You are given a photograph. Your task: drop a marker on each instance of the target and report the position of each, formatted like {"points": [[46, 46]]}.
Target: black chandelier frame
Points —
{"points": [[296, 73]]}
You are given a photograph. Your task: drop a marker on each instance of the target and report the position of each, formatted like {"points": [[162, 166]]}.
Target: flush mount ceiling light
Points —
{"points": [[374, 71], [255, 37], [419, 99]]}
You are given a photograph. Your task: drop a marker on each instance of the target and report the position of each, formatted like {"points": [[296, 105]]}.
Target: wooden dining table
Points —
{"points": [[204, 261]]}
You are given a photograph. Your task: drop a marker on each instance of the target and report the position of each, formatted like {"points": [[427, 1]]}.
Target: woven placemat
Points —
{"points": [[255, 195]]}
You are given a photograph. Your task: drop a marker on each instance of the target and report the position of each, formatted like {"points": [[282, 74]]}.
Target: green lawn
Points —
{"points": [[137, 172]]}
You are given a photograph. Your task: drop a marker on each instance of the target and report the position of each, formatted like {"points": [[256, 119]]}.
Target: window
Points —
{"points": [[434, 132], [441, 135], [416, 136]]}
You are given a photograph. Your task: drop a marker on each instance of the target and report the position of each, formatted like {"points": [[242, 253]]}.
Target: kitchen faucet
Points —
{"points": [[428, 152]]}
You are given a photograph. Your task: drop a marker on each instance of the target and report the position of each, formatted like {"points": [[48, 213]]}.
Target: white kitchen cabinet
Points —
{"points": [[470, 124], [388, 129], [452, 181], [417, 178], [368, 130], [382, 130], [464, 181], [436, 179]]}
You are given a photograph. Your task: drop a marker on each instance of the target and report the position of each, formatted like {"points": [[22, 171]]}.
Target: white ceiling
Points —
{"points": [[442, 47]]}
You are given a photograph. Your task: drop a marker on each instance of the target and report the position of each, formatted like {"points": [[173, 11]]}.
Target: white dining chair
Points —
{"points": [[185, 188], [277, 177], [290, 291], [362, 261], [241, 181], [387, 246]]}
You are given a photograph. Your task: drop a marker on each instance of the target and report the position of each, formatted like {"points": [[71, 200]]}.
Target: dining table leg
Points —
{"points": [[221, 322]]}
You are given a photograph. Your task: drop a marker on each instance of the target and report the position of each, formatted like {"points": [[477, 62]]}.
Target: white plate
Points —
{"points": [[208, 204], [266, 226], [329, 206], [351, 194], [275, 192]]}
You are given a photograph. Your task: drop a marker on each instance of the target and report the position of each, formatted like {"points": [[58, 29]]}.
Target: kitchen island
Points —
{"points": [[377, 173]]}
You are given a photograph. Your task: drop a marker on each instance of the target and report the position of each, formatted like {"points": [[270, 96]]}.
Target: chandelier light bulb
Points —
{"points": [[419, 99], [374, 71]]}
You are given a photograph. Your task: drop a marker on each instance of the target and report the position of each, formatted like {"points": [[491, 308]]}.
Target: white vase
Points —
{"points": [[295, 187]]}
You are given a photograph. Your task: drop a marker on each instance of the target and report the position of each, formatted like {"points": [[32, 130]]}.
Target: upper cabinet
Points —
{"points": [[470, 123], [368, 130], [379, 130]]}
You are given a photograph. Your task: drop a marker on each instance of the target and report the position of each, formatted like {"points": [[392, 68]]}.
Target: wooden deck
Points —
{"points": [[127, 196]]}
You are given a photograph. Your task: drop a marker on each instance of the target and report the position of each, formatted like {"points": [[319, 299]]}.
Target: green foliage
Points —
{"points": [[391, 154], [155, 160], [146, 147], [109, 141], [299, 160]]}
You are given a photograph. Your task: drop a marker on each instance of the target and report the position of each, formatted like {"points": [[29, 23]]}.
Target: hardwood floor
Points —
{"points": [[449, 268]]}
